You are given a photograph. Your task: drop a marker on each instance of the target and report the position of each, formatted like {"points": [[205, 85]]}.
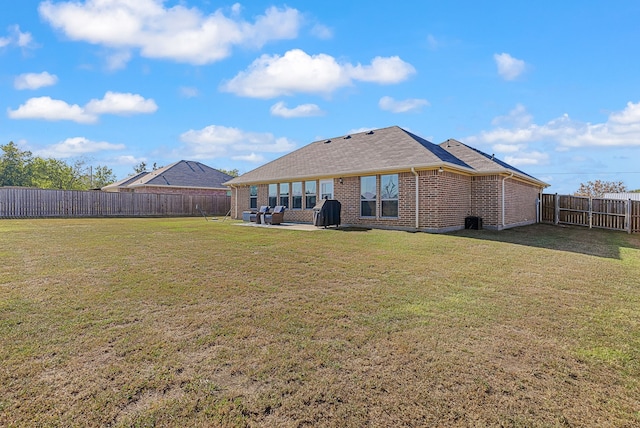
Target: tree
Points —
{"points": [[231, 172], [51, 174], [596, 189], [102, 176], [15, 166], [141, 167]]}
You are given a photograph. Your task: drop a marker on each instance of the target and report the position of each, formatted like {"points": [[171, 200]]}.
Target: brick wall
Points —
{"points": [[446, 199], [520, 207], [486, 199]]}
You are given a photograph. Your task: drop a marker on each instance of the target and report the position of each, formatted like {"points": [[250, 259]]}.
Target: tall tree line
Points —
{"points": [[21, 168]]}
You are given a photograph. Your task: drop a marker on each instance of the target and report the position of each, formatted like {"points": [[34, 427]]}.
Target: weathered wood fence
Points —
{"points": [[600, 213], [35, 203]]}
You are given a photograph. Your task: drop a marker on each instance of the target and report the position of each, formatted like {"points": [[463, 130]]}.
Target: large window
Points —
{"points": [[326, 189], [296, 193], [310, 194], [253, 197], [389, 195], [273, 195], [368, 196], [284, 194]]}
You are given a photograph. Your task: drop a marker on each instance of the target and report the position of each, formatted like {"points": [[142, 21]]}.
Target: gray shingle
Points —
{"points": [[383, 149]]}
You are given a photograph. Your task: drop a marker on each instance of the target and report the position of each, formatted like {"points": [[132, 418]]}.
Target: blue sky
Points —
{"points": [[551, 87]]}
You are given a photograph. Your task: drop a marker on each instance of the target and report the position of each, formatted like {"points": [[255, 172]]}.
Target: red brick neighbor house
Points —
{"points": [[182, 177], [392, 179]]}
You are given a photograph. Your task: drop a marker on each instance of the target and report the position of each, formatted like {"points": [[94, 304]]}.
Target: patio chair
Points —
{"points": [[277, 217], [253, 217]]}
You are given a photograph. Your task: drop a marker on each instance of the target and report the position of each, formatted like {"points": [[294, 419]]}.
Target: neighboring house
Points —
{"points": [[391, 178], [634, 196], [183, 177]]}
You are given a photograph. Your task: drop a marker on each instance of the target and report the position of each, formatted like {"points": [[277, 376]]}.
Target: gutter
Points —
{"points": [[503, 202], [413, 171]]}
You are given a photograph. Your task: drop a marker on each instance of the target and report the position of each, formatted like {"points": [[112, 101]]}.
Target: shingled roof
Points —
{"points": [[179, 174], [390, 149]]}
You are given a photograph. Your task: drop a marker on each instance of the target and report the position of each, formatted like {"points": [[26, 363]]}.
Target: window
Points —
{"points": [[296, 192], [310, 194], [389, 195], [284, 194], [368, 196], [273, 195], [326, 189], [253, 197]]}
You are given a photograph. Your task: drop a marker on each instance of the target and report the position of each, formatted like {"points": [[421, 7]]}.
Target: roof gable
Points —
{"points": [[478, 160]]}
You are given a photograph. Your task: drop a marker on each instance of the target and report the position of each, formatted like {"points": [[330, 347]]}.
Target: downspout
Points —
{"points": [[503, 203], [235, 214], [413, 171]]}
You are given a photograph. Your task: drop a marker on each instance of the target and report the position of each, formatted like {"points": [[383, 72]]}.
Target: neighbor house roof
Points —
{"points": [[387, 149], [183, 173]]}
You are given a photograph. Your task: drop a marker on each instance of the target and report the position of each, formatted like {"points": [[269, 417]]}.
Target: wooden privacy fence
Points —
{"points": [[615, 214], [34, 203]]}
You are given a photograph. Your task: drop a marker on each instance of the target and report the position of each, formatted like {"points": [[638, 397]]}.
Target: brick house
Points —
{"points": [[182, 177], [390, 178]]}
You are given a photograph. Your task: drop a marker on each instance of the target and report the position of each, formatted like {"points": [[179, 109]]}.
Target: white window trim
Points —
{"points": [[332, 188]]}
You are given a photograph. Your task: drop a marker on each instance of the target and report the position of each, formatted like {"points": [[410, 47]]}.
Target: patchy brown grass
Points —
{"points": [[182, 322]]}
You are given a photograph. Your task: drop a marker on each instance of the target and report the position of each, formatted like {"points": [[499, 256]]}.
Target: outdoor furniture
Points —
{"points": [[255, 217], [276, 217]]}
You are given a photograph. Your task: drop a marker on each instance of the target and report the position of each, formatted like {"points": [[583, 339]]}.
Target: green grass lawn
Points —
{"points": [[183, 322]]}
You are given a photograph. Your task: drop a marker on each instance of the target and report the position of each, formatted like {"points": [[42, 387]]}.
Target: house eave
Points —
{"points": [[396, 169]]}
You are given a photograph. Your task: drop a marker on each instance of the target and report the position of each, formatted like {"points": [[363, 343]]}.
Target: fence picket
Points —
{"points": [[34, 203], [615, 214]]}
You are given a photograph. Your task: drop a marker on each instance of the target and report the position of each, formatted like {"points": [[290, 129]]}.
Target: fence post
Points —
{"points": [[627, 215], [556, 209], [590, 212]]}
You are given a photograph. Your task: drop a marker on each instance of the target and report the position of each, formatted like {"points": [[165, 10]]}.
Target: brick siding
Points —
{"points": [[446, 199]]}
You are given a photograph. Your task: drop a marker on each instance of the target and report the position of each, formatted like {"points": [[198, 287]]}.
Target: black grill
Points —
{"points": [[327, 213]]}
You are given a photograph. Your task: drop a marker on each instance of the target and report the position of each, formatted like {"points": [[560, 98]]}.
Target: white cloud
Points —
{"points": [[217, 141], [404, 106], [298, 72], [121, 104], [253, 158], [35, 80], [509, 68], [432, 42], [518, 117], [622, 129], [118, 60], [77, 146], [189, 92], [528, 158], [49, 109], [382, 70], [113, 103], [17, 38], [177, 33], [303, 110], [322, 32]]}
